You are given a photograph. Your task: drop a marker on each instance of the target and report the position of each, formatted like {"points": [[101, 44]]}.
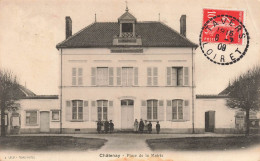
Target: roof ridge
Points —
{"points": [[72, 36], [178, 33]]}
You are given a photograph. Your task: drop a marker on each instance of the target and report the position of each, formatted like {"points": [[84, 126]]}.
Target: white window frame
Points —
{"points": [[102, 109], [127, 76], [177, 109], [176, 82], [152, 109], [37, 117], [77, 109], [153, 76], [78, 78], [52, 115], [97, 76]]}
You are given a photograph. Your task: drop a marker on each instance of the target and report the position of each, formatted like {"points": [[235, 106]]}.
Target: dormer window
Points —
{"points": [[127, 27]]}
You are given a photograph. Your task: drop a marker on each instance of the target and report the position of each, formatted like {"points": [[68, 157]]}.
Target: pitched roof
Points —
{"points": [[22, 92], [101, 34], [127, 16]]}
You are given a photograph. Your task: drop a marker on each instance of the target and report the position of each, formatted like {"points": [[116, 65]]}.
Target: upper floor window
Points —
{"points": [[177, 76], [152, 76], [77, 110], [127, 76], [77, 76], [102, 76], [177, 109], [152, 107]]}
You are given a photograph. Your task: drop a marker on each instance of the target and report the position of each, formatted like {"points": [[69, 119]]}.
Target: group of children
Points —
{"points": [[105, 126], [143, 126], [140, 127]]}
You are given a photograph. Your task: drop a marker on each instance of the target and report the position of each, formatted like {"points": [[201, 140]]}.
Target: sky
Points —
{"points": [[31, 29]]}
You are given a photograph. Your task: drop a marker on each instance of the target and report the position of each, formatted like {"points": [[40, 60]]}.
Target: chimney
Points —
{"points": [[68, 26], [183, 25]]}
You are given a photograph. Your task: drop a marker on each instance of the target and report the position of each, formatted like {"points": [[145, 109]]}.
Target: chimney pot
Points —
{"points": [[183, 25], [68, 26]]}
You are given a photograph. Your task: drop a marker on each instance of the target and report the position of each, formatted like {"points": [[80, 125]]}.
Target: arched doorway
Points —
{"points": [[127, 114]]}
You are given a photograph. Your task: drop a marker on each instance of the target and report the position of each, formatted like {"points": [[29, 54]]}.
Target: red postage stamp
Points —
{"points": [[225, 28]]}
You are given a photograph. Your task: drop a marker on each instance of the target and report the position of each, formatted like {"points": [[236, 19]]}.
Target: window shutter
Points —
{"points": [[111, 76], [186, 76], [155, 76], [80, 76], [168, 76], [149, 76], [118, 76], [68, 111], [86, 111], [174, 76], [110, 110], [93, 111], [186, 110], [37, 117], [161, 111], [136, 76], [143, 110], [74, 76], [169, 110], [93, 76]]}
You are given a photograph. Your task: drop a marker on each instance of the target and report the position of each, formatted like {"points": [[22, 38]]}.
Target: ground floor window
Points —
{"points": [[31, 117], [77, 109], [152, 108], [177, 109], [55, 115], [102, 109]]}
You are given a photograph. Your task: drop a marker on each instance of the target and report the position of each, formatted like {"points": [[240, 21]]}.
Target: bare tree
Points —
{"points": [[244, 93], [8, 94]]}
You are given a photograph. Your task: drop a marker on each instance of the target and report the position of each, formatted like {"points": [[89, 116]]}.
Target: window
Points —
{"points": [[127, 27], [31, 117], [175, 76], [127, 76], [77, 76], [102, 76], [177, 109], [102, 109], [55, 115], [152, 76], [77, 110], [127, 102], [152, 106]]}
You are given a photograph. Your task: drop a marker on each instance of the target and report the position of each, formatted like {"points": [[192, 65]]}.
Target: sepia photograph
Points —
{"points": [[129, 80]]}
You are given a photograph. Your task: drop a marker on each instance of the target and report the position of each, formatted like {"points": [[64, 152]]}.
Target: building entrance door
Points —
{"points": [[209, 121], [44, 121], [127, 114]]}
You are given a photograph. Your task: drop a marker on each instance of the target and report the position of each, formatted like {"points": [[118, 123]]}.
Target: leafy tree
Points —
{"points": [[244, 93], [8, 94]]}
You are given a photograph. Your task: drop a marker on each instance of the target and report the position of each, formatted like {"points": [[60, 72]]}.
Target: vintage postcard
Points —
{"points": [[133, 80]]}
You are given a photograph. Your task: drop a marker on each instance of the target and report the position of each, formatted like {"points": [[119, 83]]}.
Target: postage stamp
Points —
{"points": [[224, 39]]}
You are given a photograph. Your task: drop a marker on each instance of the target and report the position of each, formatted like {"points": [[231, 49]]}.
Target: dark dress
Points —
{"points": [[111, 127], [106, 126], [141, 126], [158, 128], [150, 127]]}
